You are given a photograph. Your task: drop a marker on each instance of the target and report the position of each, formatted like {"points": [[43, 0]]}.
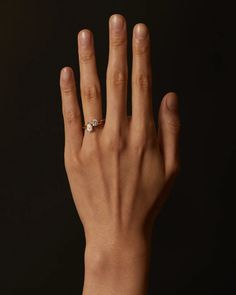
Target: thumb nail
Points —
{"points": [[172, 102]]}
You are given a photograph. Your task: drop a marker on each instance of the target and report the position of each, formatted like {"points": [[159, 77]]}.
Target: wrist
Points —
{"points": [[119, 264], [116, 255]]}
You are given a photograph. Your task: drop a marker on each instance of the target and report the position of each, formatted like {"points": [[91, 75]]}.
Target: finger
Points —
{"points": [[168, 133], [71, 111], [142, 110], [117, 72], [89, 81]]}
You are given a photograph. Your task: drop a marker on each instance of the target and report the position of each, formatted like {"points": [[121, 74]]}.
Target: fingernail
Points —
{"points": [[66, 74], [141, 31], [117, 22], [85, 38], [172, 102]]}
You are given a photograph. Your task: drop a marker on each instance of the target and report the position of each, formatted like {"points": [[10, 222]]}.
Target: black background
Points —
{"points": [[41, 236]]}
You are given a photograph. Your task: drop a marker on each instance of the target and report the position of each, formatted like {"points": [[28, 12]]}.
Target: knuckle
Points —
{"points": [[90, 92], [118, 78], [86, 57], [139, 147], [143, 81], [139, 143], [67, 90], [89, 153], [144, 141], [174, 124], [117, 41], [71, 116], [141, 48], [72, 162], [115, 144]]}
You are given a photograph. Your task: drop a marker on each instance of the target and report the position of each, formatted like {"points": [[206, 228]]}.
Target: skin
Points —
{"points": [[121, 173]]}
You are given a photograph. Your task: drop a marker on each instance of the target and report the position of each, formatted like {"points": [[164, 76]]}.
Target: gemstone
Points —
{"points": [[95, 122], [89, 127]]}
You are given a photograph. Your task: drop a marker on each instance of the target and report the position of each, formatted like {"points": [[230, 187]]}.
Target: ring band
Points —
{"points": [[89, 126]]}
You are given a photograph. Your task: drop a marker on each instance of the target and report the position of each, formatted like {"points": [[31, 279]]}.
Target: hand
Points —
{"points": [[121, 173]]}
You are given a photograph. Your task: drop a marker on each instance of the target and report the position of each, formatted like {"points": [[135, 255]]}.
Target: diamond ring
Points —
{"points": [[89, 126]]}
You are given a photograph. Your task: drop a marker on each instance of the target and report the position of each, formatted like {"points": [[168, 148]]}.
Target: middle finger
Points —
{"points": [[117, 72]]}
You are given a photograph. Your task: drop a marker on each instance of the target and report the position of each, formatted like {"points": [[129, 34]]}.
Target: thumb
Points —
{"points": [[168, 133]]}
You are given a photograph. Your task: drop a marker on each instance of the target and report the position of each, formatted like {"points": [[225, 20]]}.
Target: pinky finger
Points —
{"points": [[71, 112], [168, 133]]}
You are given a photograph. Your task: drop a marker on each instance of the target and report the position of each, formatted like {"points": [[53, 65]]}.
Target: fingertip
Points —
{"points": [[66, 73], [85, 37], [172, 101], [140, 31]]}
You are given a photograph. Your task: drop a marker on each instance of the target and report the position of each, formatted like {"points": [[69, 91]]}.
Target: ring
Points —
{"points": [[89, 126]]}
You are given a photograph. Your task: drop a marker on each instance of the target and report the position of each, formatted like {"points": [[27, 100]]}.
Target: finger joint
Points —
{"points": [[143, 81], [90, 92], [86, 57], [118, 78]]}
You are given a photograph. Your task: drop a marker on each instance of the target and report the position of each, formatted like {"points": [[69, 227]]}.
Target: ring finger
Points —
{"points": [[89, 82], [141, 77]]}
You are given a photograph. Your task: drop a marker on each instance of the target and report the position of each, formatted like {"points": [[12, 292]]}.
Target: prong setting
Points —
{"points": [[89, 127], [94, 122]]}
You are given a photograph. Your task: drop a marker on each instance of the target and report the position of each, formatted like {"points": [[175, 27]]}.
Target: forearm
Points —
{"points": [[121, 269]]}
